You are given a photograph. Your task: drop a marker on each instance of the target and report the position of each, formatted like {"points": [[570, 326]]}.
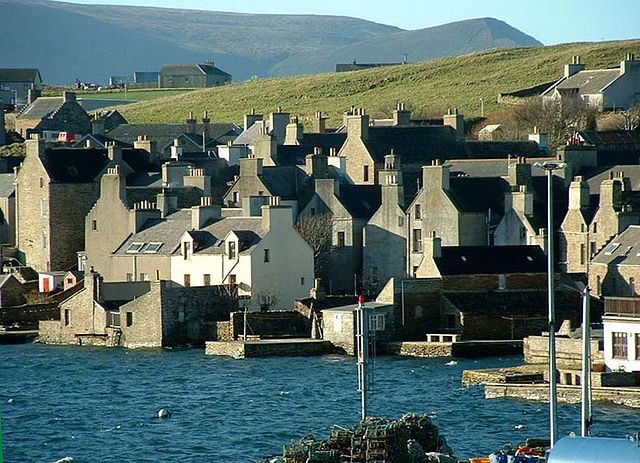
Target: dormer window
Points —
{"points": [[232, 249], [186, 249], [134, 248]]}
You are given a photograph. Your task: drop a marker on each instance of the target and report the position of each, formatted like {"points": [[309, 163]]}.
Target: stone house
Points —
{"points": [[192, 76], [615, 270], [602, 89], [491, 132], [290, 183], [264, 256], [19, 82], [339, 325], [350, 207], [55, 188], [384, 242], [62, 114], [460, 209], [7, 209], [135, 315]]}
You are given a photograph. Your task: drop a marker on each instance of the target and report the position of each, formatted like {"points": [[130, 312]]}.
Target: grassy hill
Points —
{"points": [[428, 88]]}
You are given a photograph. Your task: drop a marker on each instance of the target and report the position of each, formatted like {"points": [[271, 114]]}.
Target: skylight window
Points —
{"points": [[135, 247], [611, 248], [152, 248]]}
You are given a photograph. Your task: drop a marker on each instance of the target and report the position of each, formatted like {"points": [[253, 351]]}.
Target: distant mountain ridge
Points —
{"points": [[91, 42]]}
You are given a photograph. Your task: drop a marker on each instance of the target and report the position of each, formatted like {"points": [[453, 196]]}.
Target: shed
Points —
{"points": [[339, 324]]}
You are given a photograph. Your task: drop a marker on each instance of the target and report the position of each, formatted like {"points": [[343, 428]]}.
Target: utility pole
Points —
{"points": [[362, 337], [550, 166], [586, 365]]}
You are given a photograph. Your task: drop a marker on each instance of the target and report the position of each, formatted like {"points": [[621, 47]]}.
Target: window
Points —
{"points": [[400, 221], [611, 248], [236, 197], [41, 182], [620, 345], [67, 317], [376, 322], [144, 277], [415, 271], [365, 174], [301, 281], [313, 211], [266, 255], [582, 228], [186, 247], [337, 323], [187, 280], [637, 343], [523, 233], [417, 212], [592, 249], [134, 248], [130, 277], [232, 279], [94, 225], [502, 281], [43, 207], [341, 239], [632, 286], [417, 240], [595, 227], [129, 318], [583, 252], [152, 248], [44, 242], [598, 285], [260, 193], [207, 279]]}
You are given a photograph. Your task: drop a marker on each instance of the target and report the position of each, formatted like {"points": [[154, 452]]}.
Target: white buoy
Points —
{"points": [[520, 427], [164, 413], [10, 401], [65, 460], [451, 363]]}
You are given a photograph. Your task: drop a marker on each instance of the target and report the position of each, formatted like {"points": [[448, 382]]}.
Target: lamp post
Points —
{"points": [[550, 166]]}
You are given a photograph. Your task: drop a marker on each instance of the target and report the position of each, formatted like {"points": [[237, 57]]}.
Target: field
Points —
{"points": [[137, 94], [427, 88]]}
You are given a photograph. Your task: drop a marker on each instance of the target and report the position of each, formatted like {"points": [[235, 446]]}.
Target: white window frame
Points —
{"points": [[135, 247], [377, 322]]}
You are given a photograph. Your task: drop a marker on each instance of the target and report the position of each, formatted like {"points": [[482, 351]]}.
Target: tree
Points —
{"points": [[316, 231]]}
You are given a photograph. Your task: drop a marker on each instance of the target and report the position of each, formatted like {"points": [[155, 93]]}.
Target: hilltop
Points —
{"points": [[428, 88], [91, 42]]}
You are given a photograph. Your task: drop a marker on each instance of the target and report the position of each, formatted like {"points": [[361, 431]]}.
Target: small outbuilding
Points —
{"points": [[339, 324]]}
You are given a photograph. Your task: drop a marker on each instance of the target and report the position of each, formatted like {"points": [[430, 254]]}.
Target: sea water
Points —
{"points": [[100, 405]]}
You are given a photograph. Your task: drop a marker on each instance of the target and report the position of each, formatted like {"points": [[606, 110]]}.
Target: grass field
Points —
{"points": [[137, 94], [427, 88]]}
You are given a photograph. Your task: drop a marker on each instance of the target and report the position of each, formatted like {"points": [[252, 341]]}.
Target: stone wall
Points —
{"points": [[568, 351], [494, 326], [282, 348], [418, 349], [270, 324], [28, 314]]}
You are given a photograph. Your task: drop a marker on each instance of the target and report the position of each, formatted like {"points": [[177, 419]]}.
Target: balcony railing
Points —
{"points": [[622, 306]]}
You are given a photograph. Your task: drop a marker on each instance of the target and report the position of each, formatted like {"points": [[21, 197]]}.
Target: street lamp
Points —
{"points": [[550, 166]]}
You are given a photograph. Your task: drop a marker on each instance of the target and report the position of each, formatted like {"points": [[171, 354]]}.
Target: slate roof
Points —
{"points": [[7, 188], [492, 260], [478, 194], [615, 137], [596, 175], [101, 140], [412, 144], [250, 136], [283, 181], [169, 231], [18, 75], [41, 108], [590, 82], [626, 253], [502, 149], [296, 154], [164, 134], [362, 201], [68, 165]]}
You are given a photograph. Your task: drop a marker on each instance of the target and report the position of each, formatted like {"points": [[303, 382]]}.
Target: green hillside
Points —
{"points": [[428, 88]]}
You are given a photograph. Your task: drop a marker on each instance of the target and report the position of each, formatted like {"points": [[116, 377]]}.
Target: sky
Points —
{"points": [[549, 21]]}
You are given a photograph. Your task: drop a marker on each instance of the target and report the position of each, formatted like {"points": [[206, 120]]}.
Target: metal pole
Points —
{"points": [[553, 398], [586, 364], [402, 289], [244, 334], [363, 354]]}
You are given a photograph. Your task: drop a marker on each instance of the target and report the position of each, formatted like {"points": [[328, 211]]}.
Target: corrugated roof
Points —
{"points": [[590, 82]]}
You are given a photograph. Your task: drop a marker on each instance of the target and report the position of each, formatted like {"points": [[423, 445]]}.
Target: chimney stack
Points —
{"points": [[319, 123]]}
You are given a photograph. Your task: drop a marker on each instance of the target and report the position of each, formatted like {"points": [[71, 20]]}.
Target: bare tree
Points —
{"points": [[631, 119], [316, 231], [267, 299]]}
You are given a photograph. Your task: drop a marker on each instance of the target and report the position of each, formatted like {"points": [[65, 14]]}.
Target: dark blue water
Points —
{"points": [[99, 405]]}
